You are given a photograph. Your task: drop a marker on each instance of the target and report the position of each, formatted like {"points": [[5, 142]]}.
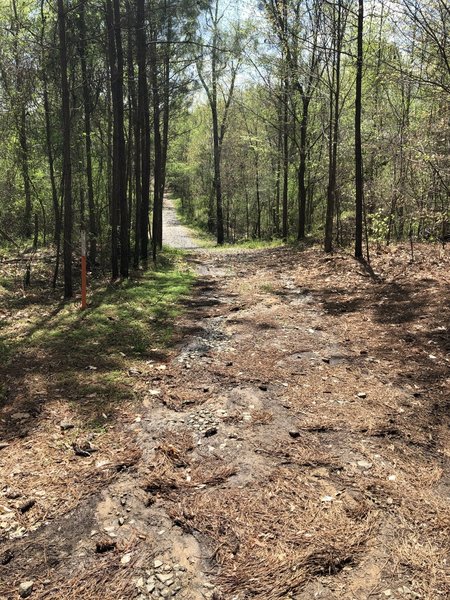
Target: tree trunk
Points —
{"points": [[134, 137], [285, 226], [51, 163], [119, 206], [166, 119], [144, 121], [93, 233], [217, 173], [217, 150], [115, 191], [157, 176], [302, 171], [334, 130], [67, 163], [23, 141], [121, 152], [359, 182]]}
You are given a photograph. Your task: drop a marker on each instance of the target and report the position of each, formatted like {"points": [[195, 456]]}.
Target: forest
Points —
{"points": [[224, 299], [317, 120]]}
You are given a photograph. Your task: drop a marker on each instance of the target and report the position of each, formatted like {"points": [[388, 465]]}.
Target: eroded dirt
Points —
{"points": [[294, 444]]}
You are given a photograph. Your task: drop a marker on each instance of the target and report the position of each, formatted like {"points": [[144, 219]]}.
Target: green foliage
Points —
{"points": [[379, 226]]}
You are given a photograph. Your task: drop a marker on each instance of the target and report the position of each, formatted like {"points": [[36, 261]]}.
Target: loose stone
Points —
{"points": [[163, 577], [26, 589]]}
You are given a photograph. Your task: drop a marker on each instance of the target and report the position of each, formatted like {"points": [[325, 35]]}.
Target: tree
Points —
{"points": [[143, 143], [119, 205], [359, 177], [87, 133], [67, 161], [211, 69], [338, 25]]}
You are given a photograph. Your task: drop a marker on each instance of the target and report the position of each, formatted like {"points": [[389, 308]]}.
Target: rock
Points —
{"points": [[12, 494], [364, 464], [3, 445], [164, 577], [294, 433], [150, 587], [210, 432], [362, 395], [121, 521], [157, 564], [126, 558], [26, 589], [66, 425]]}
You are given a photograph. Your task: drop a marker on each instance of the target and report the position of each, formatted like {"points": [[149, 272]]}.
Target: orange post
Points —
{"points": [[83, 271]]}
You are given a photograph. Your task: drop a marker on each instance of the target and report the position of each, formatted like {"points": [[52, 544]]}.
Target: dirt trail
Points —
{"points": [[284, 452], [175, 234]]}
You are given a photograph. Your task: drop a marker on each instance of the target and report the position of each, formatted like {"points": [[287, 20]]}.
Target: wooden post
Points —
{"points": [[83, 270]]}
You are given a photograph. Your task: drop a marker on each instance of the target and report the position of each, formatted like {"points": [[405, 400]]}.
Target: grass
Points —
{"points": [[87, 355]]}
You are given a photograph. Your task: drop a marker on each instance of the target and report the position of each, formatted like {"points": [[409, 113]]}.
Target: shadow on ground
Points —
{"points": [[86, 358]]}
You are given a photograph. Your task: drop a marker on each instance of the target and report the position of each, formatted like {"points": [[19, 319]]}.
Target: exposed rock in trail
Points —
{"points": [[26, 589]]}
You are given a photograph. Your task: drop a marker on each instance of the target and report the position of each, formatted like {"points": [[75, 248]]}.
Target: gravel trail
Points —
{"points": [[175, 234]]}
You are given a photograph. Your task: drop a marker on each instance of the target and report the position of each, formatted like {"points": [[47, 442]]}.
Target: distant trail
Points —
{"points": [[175, 234]]}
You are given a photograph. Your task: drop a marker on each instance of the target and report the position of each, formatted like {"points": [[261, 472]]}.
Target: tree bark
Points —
{"points": [[121, 151], [144, 131], [302, 170], [334, 129], [115, 191], [67, 163], [157, 143], [51, 162], [24, 159], [119, 206], [93, 233], [359, 181]]}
